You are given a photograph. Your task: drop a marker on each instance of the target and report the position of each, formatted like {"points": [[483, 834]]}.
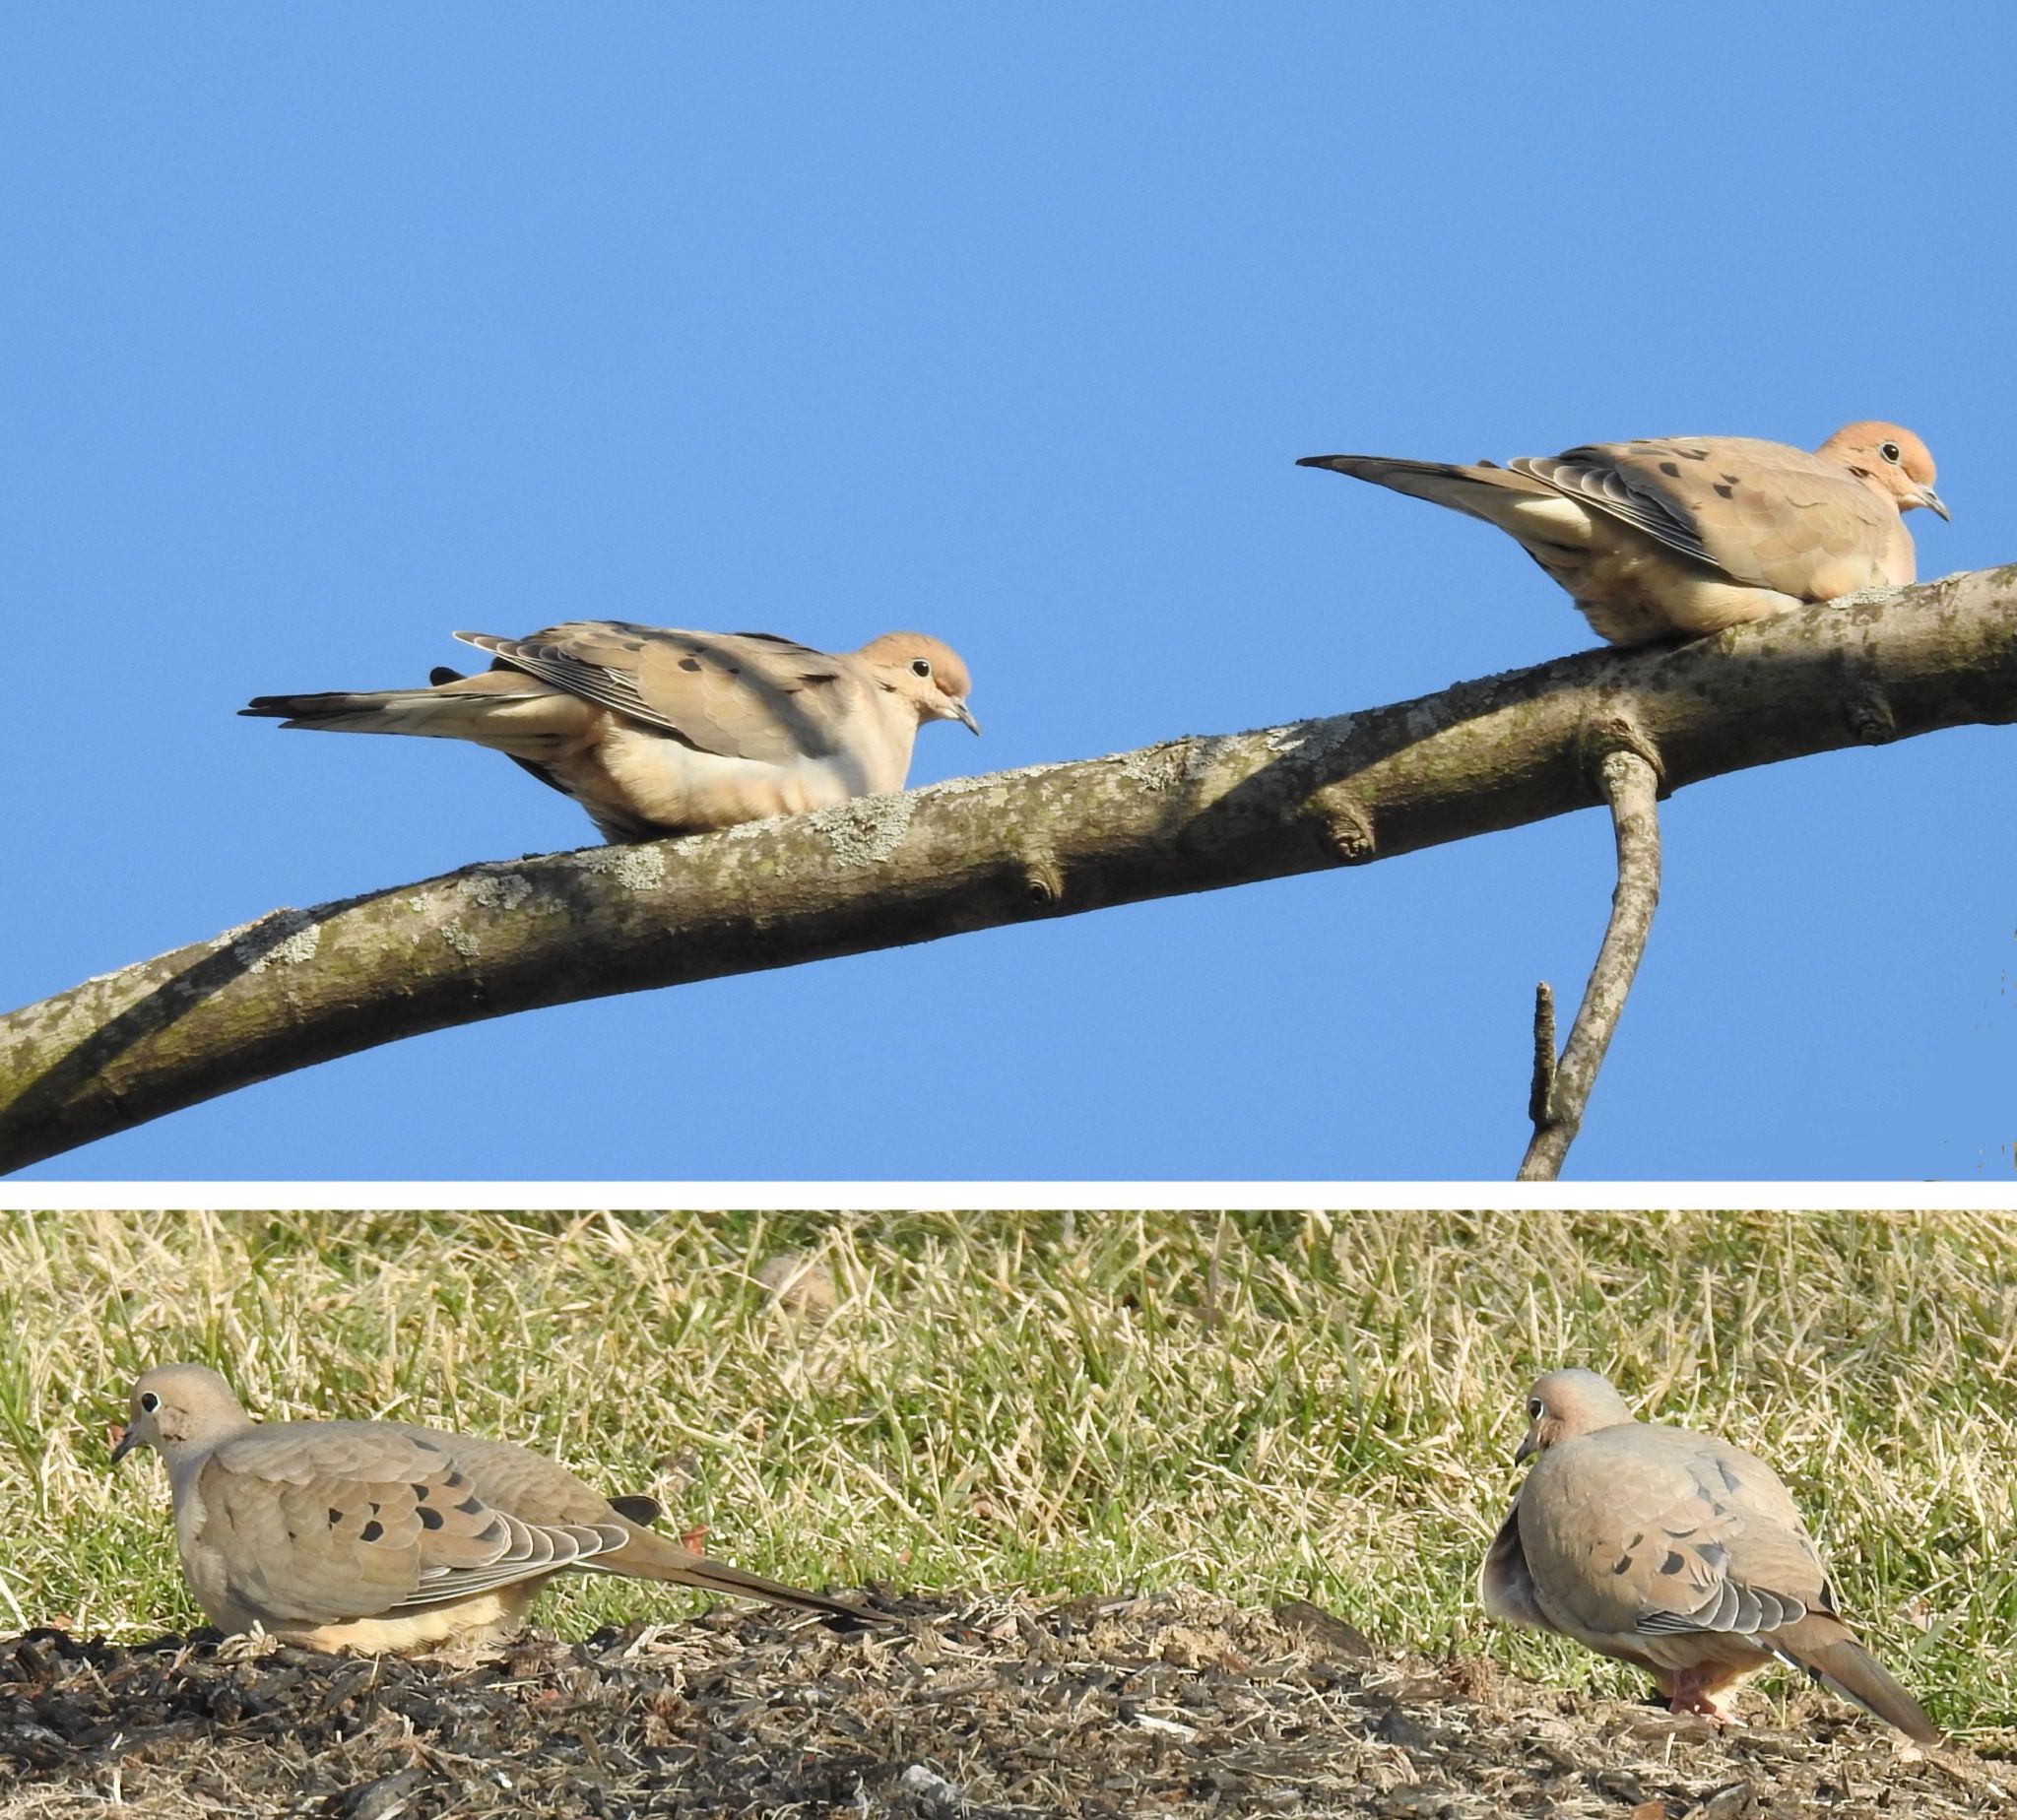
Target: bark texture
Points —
{"points": [[297, 986]]}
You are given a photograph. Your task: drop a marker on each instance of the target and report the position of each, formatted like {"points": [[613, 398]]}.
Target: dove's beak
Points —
{"points": [[964, 714], [1928, 497], [127, 1439], [1524, 1451]]}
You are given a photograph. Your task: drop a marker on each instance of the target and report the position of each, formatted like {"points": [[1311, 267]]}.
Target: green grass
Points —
{"points": [[1266, 1406]]}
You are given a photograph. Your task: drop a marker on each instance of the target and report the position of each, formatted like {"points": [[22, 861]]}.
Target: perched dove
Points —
{"points": [[657, 732], [1675, 1551], [1685, 535], [381, 1536]]}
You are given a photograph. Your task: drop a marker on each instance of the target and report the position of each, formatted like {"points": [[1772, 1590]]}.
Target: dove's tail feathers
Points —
{"points": [[508, 713], [387, 710], [1836, 1660], [653, 1557], [1520, 506]]}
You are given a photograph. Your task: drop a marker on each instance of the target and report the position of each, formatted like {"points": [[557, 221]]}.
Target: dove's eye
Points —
{"points": [[150, 1402], [1889, 450], [921, 666], [1534, 1407]]}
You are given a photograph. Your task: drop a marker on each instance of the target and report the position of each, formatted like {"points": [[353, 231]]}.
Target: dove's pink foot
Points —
{"points": [[1709, 1691]]}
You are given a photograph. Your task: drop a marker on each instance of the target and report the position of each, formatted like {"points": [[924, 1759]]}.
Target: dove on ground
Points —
{"points": [[1679, 537], [1673, 1550], [658, 731], [384, 1537]]}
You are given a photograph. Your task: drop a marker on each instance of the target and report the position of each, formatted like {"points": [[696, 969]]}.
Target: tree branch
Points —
{"points": [[1631, 786], [301, 986]]}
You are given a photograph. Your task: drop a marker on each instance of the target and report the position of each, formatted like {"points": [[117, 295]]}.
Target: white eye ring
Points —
{"points": [[1534, 1407], [921, 666], [1889, 450], [150, 1402]]}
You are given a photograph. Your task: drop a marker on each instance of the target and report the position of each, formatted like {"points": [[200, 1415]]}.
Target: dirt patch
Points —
{"points": [[1175, 1705]]}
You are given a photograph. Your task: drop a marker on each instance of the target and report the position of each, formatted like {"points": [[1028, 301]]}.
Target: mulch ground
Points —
{"points": [[1177, 1705]]}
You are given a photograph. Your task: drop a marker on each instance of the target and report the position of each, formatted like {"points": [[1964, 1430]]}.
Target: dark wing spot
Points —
{"points": [[470, 1505], [1729, 1479], [371, 1532], [491, 1531], [690, 663], [335, 1516], [826, 677], [1724, 491], [1695, 454], [1672, 469], [1672, 1564], [630, 644], [431, 1518], [454, 1481], [429, 1447], [420, 1492], [1733, 480], [1624, 1564]]}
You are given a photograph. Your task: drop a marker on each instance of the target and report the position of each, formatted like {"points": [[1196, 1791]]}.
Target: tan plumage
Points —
{"points": [[659, 732], [1675, 1551], [1677, 536], [384, 1535]]}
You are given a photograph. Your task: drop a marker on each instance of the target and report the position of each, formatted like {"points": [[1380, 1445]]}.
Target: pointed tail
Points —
{"points": [[1525, 507], [1836, 1660], [499, 709], [656, 1557], [385, 710]]}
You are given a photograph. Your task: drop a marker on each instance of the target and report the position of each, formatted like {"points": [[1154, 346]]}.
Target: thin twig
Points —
{"points": [[1631, 787]]}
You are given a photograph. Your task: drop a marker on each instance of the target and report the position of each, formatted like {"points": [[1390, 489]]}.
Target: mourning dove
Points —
{"points": [[1682, 536], [657, 732], [1675, 1551], [384, 1537]]}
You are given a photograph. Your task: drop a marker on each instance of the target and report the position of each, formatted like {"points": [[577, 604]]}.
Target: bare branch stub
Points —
{"points": [[1543, 1088], [1631, 786]]}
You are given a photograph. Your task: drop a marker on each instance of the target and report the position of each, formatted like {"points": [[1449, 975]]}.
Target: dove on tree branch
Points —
{"points": [[1681, 536], [301, 986], [656, 731]]}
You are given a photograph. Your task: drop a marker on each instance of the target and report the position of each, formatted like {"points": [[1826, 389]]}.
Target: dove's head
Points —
{"points": [[1567, 1403], [1889, 460], [924, 673], [176, 1408]]}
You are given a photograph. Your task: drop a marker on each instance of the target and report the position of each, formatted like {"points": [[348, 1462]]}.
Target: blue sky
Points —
{"points": [[332, 330]]}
